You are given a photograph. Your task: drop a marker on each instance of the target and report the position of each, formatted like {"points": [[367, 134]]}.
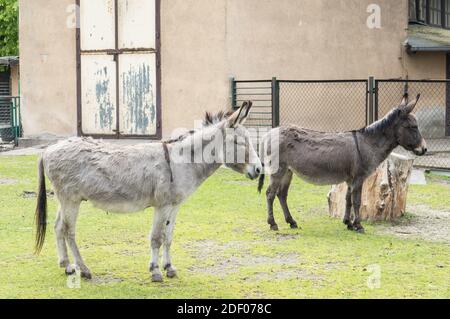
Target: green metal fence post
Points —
{"points": [[12, 119], [371, 105], [375, 101], [233, 92], [15, 120], [19, 117], [275, 102]]}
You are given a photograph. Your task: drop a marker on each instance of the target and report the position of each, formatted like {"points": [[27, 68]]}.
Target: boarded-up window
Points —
{"points": [[418, 10], [447, 13], [435, 12]]}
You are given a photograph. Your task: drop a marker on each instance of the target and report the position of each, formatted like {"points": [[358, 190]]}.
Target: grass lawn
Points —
{"points": [[223, 247]]}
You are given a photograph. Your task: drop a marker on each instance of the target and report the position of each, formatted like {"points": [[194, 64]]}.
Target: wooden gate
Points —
{"points": [[118, 68]]}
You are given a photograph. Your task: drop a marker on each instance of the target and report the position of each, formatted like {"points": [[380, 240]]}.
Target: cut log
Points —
{"points": [[383, 194]]}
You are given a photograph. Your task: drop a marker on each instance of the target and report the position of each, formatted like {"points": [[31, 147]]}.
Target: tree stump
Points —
{"points": [[384, 192]]}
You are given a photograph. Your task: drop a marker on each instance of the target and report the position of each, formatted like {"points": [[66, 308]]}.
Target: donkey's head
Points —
{"points": [[407, 130], [238, 151]]}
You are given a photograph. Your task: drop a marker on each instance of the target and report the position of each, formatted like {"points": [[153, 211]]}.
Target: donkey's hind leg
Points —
{"points": [[282, 197], [70, 214], [348, 209], [60, 231], [356, 200]]}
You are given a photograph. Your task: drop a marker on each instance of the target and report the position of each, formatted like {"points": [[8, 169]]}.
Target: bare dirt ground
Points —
{"points": [[423, 223], [224, 264], [6, 181], [223, 260]]}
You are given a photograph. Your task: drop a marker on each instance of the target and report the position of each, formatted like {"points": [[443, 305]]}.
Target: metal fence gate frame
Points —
{"points": [[268, 106], [407, 84], [266, 97], [10, 119], [433, 113], [10, 123]]}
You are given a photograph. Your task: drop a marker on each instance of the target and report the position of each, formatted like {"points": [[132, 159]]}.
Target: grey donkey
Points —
{"points": [[126, 179], [333, 158]]}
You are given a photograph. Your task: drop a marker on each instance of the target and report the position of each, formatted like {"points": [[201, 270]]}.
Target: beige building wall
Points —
{"points": [[48, 68], [426, 65], [15, 76], [195, 72], [205, 42], [311, 39]]}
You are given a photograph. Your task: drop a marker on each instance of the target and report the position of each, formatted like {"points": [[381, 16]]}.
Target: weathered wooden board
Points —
{"points": [[137, 91], [98, 98]]}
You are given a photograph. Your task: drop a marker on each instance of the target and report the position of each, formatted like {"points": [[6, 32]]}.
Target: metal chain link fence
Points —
{"points": [[432, 112], [344, 105], [260, 120], [329, 106]]}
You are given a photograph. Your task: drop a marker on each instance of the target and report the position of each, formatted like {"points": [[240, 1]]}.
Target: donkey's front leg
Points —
{"points": [[170, 225], [157, 238], [356, 199]]}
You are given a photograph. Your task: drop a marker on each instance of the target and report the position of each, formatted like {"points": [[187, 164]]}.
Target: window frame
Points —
{"points": [[424, 5], [438, 11]]}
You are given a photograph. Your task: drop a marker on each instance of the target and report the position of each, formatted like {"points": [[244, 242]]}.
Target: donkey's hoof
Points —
{"points": [[86, 274], [274, 227], [294, 226], [71, 269], [171, 273], [350, 227], [360, 230], [157, 277]]}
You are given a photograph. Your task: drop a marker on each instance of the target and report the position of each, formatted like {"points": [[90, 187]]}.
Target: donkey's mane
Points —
{"points": [[382, 124], [209, 120]]}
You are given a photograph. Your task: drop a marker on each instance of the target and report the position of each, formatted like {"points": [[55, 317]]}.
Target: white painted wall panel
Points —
{"points": [[137, 91], [97, 24], [98, 100], [137, 24]]}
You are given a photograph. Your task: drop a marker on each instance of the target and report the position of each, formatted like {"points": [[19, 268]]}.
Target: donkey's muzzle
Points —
{"points": [[422, 149], [421, 152], [254, 171]]}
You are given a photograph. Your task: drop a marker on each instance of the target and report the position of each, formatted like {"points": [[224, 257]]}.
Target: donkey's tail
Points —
{"points": [[41, 210], [261, 182], [262, 175]]}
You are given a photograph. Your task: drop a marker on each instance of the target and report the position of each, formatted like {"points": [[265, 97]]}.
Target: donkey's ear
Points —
{"points": [[407, 109], [240, 116], [405, 100]]}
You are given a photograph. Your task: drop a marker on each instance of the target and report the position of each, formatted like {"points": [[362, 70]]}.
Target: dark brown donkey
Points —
{"points": [[333, 158]]}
